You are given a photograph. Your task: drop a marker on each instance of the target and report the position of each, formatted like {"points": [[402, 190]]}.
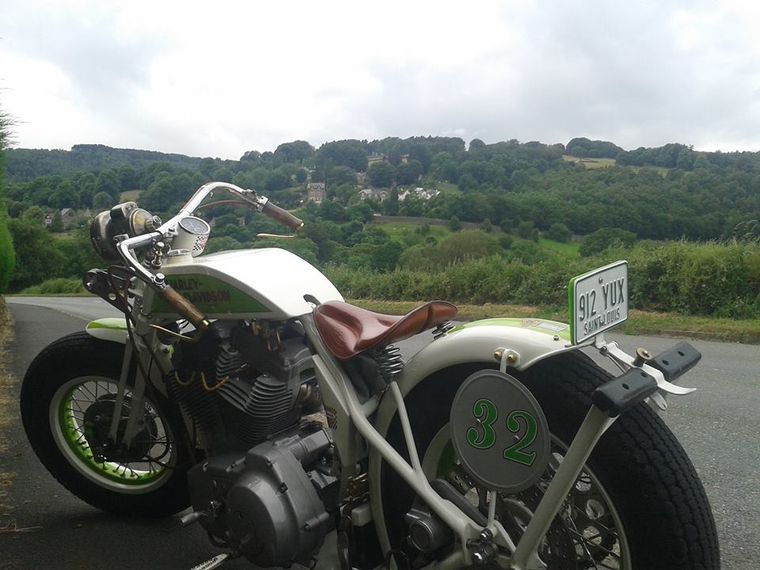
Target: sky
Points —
{"points": [[221, 78]]}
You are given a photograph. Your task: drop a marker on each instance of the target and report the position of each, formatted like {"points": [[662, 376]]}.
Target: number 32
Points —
{"points": [[484, 436]]}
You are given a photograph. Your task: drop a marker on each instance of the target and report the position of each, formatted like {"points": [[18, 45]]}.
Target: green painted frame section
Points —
{"points": [[109, 323], [544, 326]]}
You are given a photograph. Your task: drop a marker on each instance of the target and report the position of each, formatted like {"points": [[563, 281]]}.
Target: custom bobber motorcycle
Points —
{"points": [[242, 385]]}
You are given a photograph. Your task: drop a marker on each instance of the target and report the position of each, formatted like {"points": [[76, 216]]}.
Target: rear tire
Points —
{"points": [[67, 391], [638, 465]]}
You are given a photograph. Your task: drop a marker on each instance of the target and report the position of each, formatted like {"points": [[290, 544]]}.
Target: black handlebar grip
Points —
{"points": [[282, 216]]}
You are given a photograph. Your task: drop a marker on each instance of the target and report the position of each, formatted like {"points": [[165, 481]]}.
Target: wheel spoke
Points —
{"points": [[153, 441]]}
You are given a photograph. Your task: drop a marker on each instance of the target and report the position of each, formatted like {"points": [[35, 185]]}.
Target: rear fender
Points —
{"points": [[110, 329], [526, 342]]}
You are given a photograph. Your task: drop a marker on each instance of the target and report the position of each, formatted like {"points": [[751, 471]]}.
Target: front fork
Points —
{"points": [[132, 367]]}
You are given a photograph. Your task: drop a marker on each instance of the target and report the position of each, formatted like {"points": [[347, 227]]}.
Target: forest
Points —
{"points": [[476, 233]]}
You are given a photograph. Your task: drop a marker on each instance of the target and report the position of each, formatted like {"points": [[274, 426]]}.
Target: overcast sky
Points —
{"points": [[217, 78]]}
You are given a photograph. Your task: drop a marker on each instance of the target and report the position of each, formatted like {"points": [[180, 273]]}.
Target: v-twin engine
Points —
{"points": [[274, 504]]}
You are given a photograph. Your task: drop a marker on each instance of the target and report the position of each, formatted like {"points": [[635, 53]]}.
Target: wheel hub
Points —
{"points": [[97, 424]]}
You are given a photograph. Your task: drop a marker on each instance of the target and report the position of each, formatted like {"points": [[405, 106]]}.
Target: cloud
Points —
{"points": [[219, 79]]}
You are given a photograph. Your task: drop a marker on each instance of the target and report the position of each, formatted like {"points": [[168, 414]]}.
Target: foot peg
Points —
{"points": [[215, 562]]}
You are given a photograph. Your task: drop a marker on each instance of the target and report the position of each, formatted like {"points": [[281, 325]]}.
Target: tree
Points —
{"points": [[604, 238], [102, 201], [454, 224], [421, 153], [385, 257], [65, 196], [7, 253], [409, 172], [558, 232], [337, 175], [108, 182], [381, 174], [57, 225], [296, 151], [476, 145], [525, 229], [391, 204], [467, 183], [351, 153], [37, 257]]}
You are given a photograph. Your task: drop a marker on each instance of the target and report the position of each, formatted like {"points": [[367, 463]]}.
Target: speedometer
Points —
{"points": [[195, 226]]}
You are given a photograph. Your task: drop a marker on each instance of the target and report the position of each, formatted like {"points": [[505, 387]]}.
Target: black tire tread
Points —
{"points": [[61, 360], [640, 463], [668, 496]]}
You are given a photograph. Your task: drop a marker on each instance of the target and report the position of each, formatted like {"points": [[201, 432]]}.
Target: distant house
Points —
{"points": [[372, 194], [316, 192], [421, 193], [374, 158], [68, 217]]}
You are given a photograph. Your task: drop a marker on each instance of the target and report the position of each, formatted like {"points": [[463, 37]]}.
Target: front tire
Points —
{"points": [[638, 480], [67, 400]]}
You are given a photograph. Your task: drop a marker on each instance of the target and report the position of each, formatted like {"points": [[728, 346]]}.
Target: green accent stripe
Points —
{"points": [[210, 295], [115, 323], [544, 326]]}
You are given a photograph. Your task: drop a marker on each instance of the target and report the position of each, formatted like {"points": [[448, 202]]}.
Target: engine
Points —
{"points": [[274, 504], [266, 488]]}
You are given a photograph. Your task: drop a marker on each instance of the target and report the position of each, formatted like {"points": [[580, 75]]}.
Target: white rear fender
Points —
{"points": [[525, 342], [110, 329]]}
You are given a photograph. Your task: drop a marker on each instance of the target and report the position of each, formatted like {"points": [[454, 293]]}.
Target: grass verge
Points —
{"points": [[8, 406], [639, 322]]}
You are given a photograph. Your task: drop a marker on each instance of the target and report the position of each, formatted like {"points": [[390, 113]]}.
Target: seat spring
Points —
{"points": [[442, 329], [389, 362]]}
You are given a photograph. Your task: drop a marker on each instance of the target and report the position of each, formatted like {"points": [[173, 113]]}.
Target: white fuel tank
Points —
{"points": [[267, 283]]}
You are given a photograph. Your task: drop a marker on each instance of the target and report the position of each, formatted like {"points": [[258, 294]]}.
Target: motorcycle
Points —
{"points": [[241, 384]]}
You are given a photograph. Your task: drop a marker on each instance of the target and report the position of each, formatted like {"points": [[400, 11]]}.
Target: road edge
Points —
{"points": [[8, 411]]}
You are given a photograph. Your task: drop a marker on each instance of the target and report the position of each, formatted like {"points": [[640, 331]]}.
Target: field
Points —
{"points": [[130, 195], [568, 249], [591, 163]]}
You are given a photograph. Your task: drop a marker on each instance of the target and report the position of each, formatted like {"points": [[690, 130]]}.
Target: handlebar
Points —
{"points": [[280, 215], [168, 230]]}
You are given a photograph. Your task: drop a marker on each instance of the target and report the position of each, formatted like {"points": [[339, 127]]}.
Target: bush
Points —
{"points": [[7, 253], [605, 238], [59, 286], [709, 279], [558, 232]]}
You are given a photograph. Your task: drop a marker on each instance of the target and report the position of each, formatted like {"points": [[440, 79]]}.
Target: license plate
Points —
{"points": [[598, 300]]}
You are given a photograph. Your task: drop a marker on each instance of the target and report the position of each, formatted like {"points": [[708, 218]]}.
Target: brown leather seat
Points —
{"points": [[348, 330]]}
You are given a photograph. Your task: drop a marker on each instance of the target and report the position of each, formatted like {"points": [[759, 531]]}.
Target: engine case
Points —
{"points": [[274, 504]]}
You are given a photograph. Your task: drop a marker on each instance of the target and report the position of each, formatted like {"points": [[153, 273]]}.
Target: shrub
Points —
{"points": [[59, 286], [7, 253]]}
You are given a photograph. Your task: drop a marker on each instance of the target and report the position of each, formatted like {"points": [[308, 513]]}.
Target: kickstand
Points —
{"points": [[215, 562]]}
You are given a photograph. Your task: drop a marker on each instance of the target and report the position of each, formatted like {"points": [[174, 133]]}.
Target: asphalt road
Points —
{"points": [[43, 526]]}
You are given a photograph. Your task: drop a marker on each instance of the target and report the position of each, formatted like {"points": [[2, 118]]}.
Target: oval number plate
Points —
{"points": [[499, 432]]}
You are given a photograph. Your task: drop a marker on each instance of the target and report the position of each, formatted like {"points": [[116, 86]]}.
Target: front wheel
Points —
{"points": [[68, 399], [637, 504]]}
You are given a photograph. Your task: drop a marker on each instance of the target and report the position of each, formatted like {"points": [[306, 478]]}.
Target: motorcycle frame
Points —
{"points": [[354, 427]]}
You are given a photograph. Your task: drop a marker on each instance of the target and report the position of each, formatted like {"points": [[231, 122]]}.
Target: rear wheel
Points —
{"points": [[68, 400], [638, 503]]}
